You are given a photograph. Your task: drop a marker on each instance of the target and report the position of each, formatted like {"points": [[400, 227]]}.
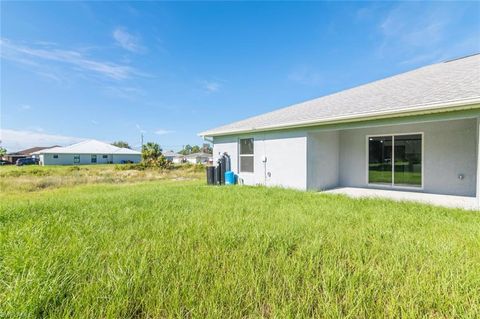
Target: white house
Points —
{"points": [[88, 152], [173, 157], [199, 158], [417, 131]]}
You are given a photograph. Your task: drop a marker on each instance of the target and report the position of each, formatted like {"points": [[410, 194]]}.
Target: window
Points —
{"points": [[55, 155], [76, 159], [246, 155], [94, 159], [395, 160], [104, 156]]}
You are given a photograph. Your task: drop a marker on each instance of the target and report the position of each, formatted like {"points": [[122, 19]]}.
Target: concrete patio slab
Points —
{"points": [[464, 202]]}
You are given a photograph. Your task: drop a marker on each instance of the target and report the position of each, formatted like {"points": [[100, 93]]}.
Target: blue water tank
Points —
{"points": [[229, 178]]}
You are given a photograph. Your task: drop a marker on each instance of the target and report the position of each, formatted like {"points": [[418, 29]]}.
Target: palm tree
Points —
{"points": [[151, 151]]}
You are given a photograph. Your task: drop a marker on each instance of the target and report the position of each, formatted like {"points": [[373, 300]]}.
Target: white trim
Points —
{"points": [[360, 116], [392, 184]]}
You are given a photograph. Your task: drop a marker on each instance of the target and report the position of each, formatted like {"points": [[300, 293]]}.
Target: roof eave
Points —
{"points": [[423, 109], [85, 153]]}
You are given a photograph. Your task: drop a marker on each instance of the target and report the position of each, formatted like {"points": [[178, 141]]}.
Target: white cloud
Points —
{"points": [[128, 93], [401, 27], [127, 40], [426, 40], [211, 86], [305, 75], [15, 140], [37, 56], [163, 132]]}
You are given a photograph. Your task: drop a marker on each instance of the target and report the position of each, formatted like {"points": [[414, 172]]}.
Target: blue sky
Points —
{"points": [[111, 71]]}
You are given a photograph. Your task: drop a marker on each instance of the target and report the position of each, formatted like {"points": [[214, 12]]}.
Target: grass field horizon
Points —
{"points": [[179, 248]]}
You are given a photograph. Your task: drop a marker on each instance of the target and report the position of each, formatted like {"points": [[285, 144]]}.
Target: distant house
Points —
{"points": [[88, 152], [173, 157], [13, 157], [199, 158]]}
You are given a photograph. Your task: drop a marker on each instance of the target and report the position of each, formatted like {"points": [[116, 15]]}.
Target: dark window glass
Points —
{"points": [[246, 155], [76, 158], [380, 160], [104, 156], [55, 156], [246, 164], [94, 158], [246, 146], [408, 160]]}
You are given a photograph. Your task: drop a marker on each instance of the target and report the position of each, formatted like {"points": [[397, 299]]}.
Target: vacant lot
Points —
{"points": [[14, 179], [173, 248]]}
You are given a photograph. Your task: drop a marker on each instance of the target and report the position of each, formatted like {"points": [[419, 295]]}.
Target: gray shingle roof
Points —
{"points": [[171, 154], [445, 84], [88, 147]]}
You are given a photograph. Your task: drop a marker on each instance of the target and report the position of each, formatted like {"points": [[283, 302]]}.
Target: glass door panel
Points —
{"points": [[408, 160], [380, 160]]}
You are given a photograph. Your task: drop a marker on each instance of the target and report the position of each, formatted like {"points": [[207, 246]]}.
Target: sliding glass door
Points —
{"points": [[395, 160]]}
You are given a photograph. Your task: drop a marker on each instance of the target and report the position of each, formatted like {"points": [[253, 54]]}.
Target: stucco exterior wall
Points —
{"points": [[318, 159], [478, 160], [67, 159], [449, 150], [118, 159], [323, 158], [63, 159], [285, 152]]}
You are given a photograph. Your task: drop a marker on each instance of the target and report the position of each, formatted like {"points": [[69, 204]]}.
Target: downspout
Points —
{"points": [[264, 160]]}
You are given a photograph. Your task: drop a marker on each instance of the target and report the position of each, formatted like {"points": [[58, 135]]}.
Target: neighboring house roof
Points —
{"points": [[29, 151], [195, 155], [434, 87], [89, 147], [171, 154]]}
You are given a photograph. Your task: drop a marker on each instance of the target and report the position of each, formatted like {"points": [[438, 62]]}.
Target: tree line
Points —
{"points": [[186, 150], [152, 153]]}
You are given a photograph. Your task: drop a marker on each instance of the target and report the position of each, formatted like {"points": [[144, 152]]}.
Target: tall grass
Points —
{"points": [[183, 249], [15, 179]]}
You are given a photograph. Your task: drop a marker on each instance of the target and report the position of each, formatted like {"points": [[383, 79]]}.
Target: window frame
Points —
{"points": [[75, 156], [55, 156], [245, 155], [93, 156], [392, 184], [104, 156]]}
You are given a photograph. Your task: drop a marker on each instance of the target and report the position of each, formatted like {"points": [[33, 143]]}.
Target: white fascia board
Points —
{"points": [[422, 109]]}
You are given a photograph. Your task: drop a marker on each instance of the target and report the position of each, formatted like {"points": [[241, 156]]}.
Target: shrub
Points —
{"points": [[152, 156], [127, 167]]}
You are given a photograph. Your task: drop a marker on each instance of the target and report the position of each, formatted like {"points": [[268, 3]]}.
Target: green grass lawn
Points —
{"points": [[183, 249]]}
